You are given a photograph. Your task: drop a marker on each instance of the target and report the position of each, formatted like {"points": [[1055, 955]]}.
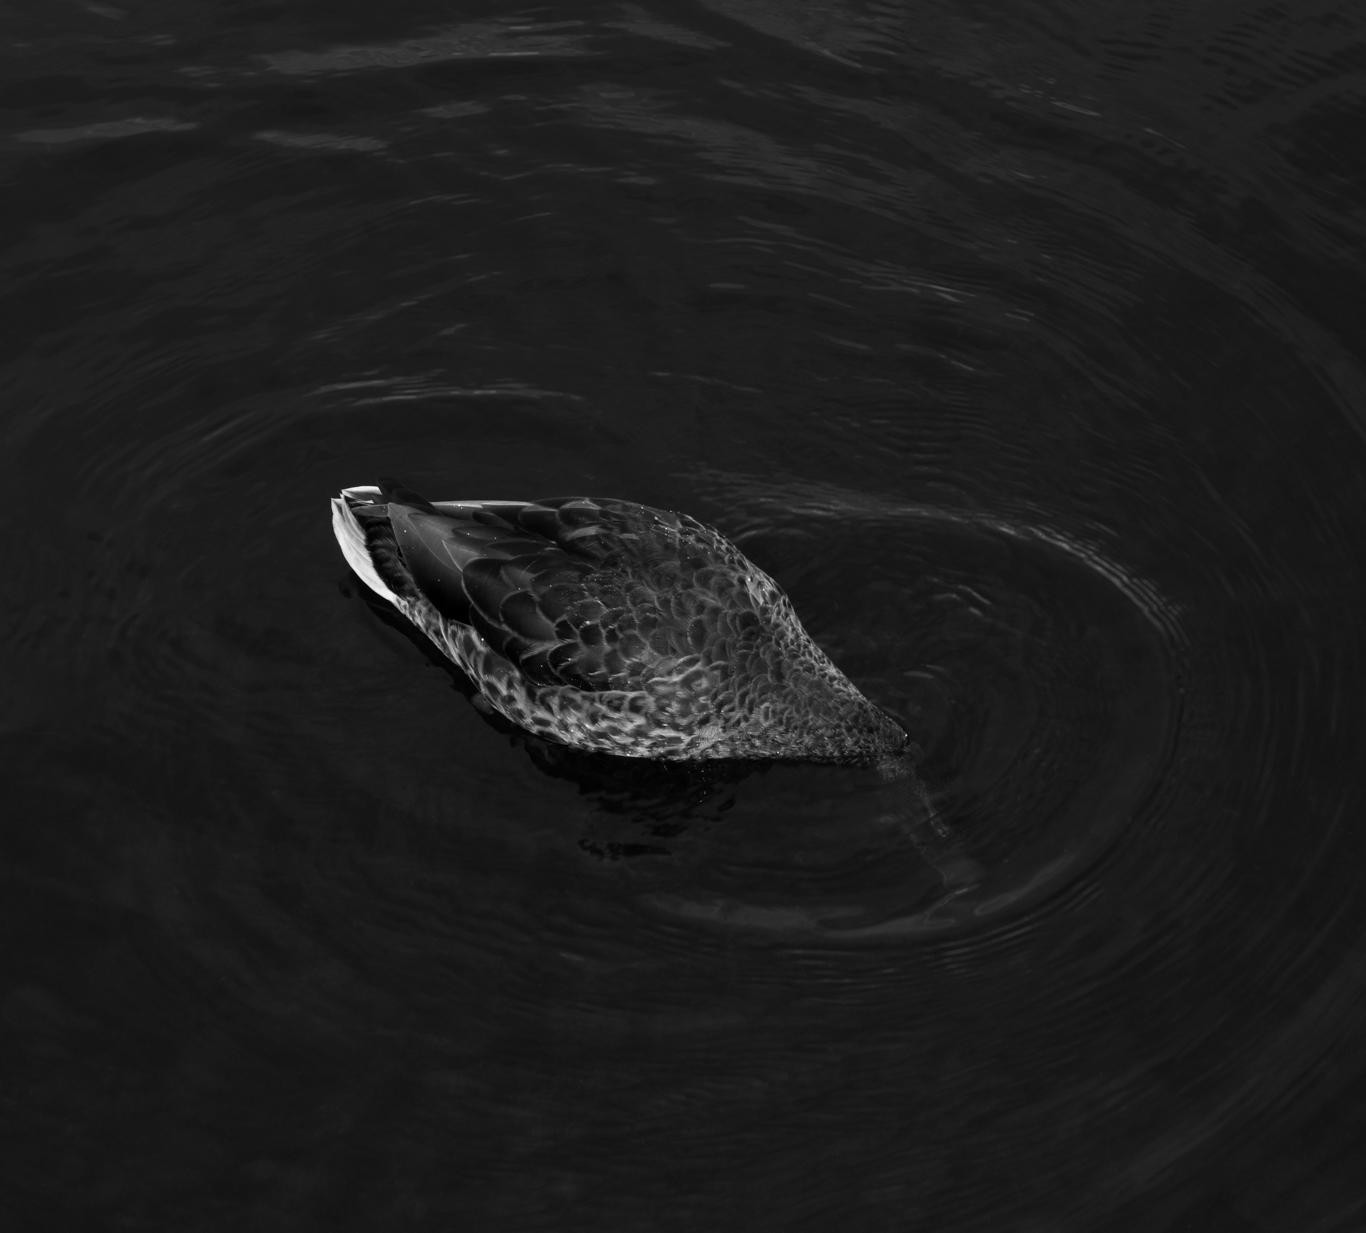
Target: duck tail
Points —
{"points": [[350, 524]]}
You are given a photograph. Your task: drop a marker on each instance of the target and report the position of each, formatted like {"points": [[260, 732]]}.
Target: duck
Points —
{"points": [[612, 627]]}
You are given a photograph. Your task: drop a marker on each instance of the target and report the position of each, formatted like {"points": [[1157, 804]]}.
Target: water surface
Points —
{"points": [[1020, 344]]}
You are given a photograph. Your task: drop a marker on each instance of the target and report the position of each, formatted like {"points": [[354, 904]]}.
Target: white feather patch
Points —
{"points": [[352, 541]]}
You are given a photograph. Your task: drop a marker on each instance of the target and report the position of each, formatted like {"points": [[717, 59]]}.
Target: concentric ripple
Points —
{"points": [[1044, 686]]}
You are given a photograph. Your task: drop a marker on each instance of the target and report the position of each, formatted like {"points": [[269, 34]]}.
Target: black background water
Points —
{"points": [[1021, 342]]}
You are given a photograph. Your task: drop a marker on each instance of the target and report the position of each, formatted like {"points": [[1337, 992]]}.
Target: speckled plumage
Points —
{"points": [[611, 626]]}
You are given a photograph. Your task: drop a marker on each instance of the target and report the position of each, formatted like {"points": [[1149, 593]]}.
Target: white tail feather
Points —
{"points": [[351, 538]]}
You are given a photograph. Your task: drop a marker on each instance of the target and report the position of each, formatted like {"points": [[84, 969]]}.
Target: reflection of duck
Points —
{"points": [[611, 626]]}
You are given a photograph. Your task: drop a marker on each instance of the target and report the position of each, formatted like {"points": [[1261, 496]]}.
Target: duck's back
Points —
{"points": [[617, 626]]}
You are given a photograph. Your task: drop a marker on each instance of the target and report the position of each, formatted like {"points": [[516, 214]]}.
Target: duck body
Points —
{"points": [[611, 626]]}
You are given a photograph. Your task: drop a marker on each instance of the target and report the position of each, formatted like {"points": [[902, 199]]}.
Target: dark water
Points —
{"points": [[1023, 343]]}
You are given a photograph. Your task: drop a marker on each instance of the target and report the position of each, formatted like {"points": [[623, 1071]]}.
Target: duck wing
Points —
{"points": [[571, 590]]}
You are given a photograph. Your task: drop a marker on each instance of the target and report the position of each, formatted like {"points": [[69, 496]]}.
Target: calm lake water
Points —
{"points": [[1022, 343]]}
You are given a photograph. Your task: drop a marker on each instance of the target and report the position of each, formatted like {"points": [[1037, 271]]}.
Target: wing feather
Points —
{"points": [[567, 589]]}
